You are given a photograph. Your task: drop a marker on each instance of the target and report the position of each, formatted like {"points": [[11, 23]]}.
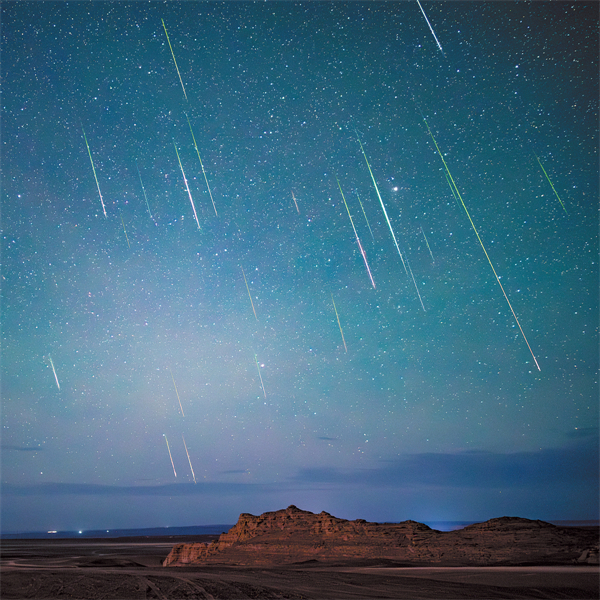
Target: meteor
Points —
{"points": [[457, 193], [188, 455], [548, 178], [452, 190], [294, 198], [262, 385], [388, 221], [203, 171], [249, 295], [143, 189], [430, 252], [356, 235], [431, 29], [187, 187], [339, 324], [382, 205], [416, 287], [365, 214], [181, 407], [125, 232], [54, 371], [169, 449], [94, 170], [173, 54]]}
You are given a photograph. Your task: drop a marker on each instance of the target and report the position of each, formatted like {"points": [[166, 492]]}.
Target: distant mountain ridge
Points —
{"points": [[292, 535], [119, 533]]}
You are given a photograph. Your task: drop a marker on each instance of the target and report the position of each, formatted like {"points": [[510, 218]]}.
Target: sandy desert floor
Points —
{"points": [[130, 568]]}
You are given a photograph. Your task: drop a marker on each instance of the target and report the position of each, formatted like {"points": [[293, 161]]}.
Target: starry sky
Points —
{"points": [[182, 285]]}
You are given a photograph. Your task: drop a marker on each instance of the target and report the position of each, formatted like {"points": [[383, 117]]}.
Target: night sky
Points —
{"points": [[135, 334]]}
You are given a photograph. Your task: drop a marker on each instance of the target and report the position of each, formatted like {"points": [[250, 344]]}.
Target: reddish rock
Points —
{"points": [[294, 535]]}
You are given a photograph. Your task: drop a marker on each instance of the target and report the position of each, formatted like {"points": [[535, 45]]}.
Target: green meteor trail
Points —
{"points": [[365, 214], [173, 54], [356, 235], [548, 178], [203, 171], [143, 189], [94, 170], [455, 189]]}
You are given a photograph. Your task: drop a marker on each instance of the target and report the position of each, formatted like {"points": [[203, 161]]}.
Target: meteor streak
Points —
{"points": [[382, 205], [188, 455], [364, 213], [452, 189], [54, 371], [339, 324], [181, 407], [548, 178], [431, 29], [173, 54], [356, 235], [94, 170], [455, 189], [186, 186], [249, 295], [169, 449], [125, 232], [416, 287], [262, 385], [294, 197], [387, 219], [203, 171], [143, 189], [430, 252]]}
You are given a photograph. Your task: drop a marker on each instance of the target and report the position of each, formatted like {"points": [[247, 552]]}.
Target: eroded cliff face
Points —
{"points": [[294, 535]]}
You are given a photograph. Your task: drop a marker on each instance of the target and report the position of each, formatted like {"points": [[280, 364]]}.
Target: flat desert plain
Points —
{"points": [[130, 568]]}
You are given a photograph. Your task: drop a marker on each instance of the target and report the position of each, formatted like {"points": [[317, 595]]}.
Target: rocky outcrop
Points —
{"points": [[293, 535], [589, 556]]}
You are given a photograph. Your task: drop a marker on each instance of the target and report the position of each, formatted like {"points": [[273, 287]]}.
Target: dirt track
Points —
{"points": [[116, 570]]}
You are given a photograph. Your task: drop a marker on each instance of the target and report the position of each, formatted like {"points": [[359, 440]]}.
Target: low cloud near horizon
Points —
{"points": [[576, 464]]}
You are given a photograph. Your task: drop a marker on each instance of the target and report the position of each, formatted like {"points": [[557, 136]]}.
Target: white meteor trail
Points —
{"points": [[339, 324], [170, 456], [188, 455], [294, 198], [382, 205], [54, 370], [430, 252], [261, 379], [181, 407], [431, 29], [416, 287], [187, 186]]}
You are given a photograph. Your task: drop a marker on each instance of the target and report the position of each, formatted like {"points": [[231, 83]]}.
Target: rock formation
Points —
{"points": [[293, 535]]}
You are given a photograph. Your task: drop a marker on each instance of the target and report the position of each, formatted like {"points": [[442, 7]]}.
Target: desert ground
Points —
{"points": [[130, 568]]}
